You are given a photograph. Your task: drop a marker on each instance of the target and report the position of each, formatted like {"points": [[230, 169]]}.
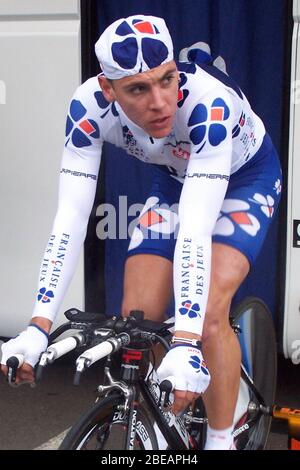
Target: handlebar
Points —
{"points": [[58, 349], [13, 363], [98, 352], [167, 386], [105, 334]]}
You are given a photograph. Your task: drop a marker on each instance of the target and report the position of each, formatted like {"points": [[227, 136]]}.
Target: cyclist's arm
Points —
{"points": [[78, 180], [76, 196], [77, 187], [200, 203]]}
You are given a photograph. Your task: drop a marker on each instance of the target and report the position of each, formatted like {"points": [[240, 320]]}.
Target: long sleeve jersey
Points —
{"points": [[215, 132]]}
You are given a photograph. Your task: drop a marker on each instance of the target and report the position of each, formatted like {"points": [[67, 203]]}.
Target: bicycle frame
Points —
{"points": [[173, 428], [108, 335], [131, 385]]}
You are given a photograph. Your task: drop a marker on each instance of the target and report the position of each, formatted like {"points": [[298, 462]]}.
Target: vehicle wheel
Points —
{"points": [[104, 427], [259, 357]]}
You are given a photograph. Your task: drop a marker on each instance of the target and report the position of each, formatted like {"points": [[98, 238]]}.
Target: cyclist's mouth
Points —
{"points": [[161, 122]]}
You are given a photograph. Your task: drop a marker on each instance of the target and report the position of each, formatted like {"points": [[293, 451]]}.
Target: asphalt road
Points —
{"points": [[31, 417]]}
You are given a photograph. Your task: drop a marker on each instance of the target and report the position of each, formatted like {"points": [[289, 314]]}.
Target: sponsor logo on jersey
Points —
{"points": [[128, 136], [207, 124], [190, 309], [51, 267], [79, 129], [185, 274], [179, 150], [44, 295], [237, 129], [78, 173], [211, 176], [198, 364], [131, 144]]}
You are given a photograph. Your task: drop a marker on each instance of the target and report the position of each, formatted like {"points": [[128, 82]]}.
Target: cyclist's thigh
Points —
{"points": [[148, 283], [250, 203]]}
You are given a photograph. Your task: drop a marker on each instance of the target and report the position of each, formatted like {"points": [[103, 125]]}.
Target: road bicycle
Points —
{"points": [[132, 410]]}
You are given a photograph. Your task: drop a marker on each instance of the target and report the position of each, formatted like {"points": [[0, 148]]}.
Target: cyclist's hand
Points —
{"points": [[30, 343], [191, 376]]}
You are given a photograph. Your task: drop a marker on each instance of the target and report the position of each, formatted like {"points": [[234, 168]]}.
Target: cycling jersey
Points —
{"points": [[215, 133]]}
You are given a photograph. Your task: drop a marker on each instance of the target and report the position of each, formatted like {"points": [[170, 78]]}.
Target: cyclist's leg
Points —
{"points": [[221, 348], [250, 202]]}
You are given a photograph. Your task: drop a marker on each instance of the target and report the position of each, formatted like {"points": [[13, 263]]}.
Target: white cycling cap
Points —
{"points": [[133, 45]]}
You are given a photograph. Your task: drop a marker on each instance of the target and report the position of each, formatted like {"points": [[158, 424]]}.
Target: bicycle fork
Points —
{"points": [[129, 408]]}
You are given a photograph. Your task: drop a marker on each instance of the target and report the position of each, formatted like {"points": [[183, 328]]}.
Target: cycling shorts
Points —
{"points": [[249, 206]]}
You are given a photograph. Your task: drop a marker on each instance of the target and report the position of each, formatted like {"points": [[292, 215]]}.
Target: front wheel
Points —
{"points": [[259, 357], [104, 427]]}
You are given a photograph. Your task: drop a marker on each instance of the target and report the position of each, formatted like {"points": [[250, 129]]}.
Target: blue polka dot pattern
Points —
{"points": [[125, 53], [154, 52], [207, 123], [133, 45], [80, 129]]}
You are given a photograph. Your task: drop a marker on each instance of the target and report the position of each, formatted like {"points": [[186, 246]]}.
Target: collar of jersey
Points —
{"points": [[150, 144]]}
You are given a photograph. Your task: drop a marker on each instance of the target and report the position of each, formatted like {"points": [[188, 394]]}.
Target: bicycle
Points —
{"points": [[133, 410]]}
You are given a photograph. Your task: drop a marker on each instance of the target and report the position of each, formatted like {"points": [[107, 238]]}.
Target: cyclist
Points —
{"points": [[214, 157]]}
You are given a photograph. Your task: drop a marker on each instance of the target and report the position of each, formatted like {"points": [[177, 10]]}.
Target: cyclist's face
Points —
{"points": [[149, 99]]}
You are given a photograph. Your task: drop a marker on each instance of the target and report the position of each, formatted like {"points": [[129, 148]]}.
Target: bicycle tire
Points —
{"points": [[259, 356], [103, 427]]}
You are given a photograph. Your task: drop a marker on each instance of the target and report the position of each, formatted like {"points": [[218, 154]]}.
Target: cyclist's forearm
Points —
{"points": [[59, 263], [192, 264]]}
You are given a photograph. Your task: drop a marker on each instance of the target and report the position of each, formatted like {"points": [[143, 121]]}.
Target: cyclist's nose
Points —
{"points": [[157, 101]]}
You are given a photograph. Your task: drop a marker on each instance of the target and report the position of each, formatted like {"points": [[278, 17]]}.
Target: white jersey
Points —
{"points": [[215, 133]]}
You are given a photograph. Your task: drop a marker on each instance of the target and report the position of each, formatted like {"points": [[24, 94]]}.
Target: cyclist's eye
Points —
{"points": [[136, 90], [168, 79]]}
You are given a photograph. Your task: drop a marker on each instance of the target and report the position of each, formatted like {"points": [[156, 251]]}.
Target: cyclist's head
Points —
{"points": [[132, 45], [136, 57]]}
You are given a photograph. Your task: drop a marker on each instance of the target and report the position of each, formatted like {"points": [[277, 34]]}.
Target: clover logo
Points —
{"points": [[192, 310], [235, 213], [78, 128], [266, 203], [45, 296], [199, 365], [126, 52], [207, 123]]}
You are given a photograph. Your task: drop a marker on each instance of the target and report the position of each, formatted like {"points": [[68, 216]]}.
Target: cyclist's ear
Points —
{"points": [[107, 88]]}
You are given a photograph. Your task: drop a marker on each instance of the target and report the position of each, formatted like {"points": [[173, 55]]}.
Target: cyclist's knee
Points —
{"points": [[216, 320]]}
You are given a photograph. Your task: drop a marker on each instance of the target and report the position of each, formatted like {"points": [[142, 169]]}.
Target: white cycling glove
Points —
{"points": [[30, 343], [186, 365]]}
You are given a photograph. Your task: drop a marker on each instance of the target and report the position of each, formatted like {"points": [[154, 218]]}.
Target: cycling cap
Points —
{"points": [[133, 45]]}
